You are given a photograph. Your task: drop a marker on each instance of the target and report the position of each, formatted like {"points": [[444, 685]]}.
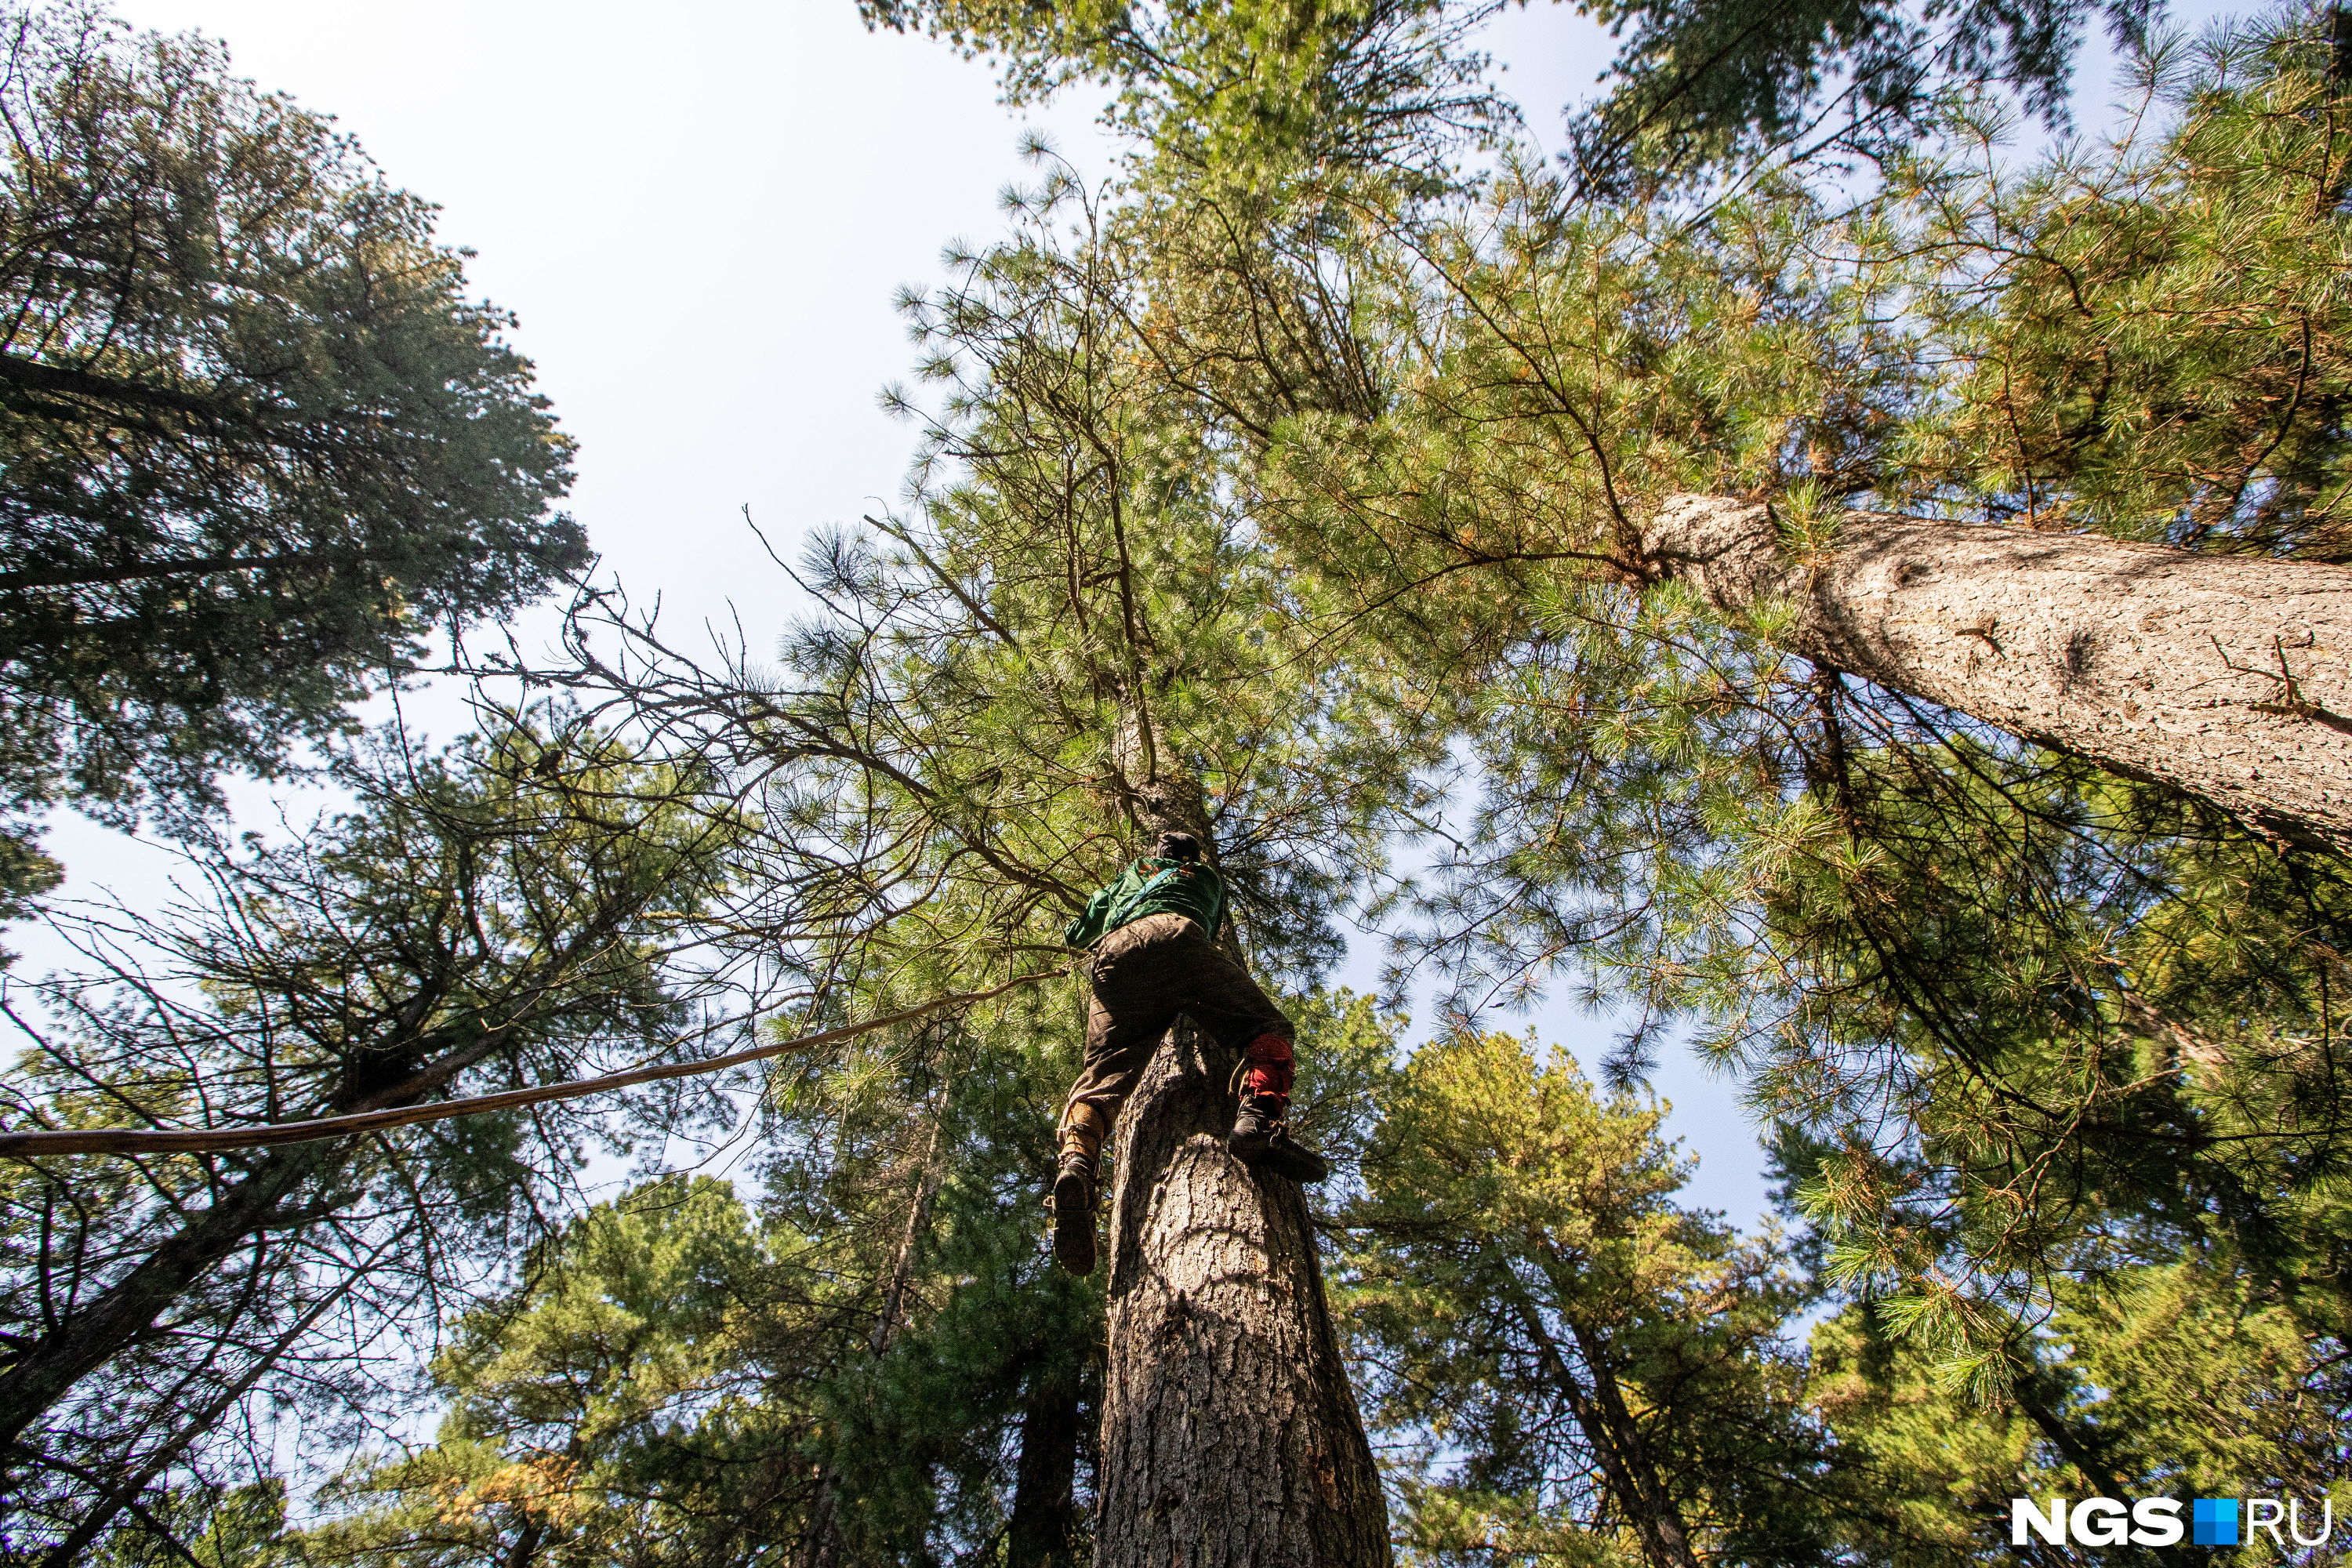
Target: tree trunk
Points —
{"points": [[1607, 1421], [1044, 1526], [79, 1344], [2229, 677], [126, 1312], [1230, 1436], [1640, 1491], [918, 1226], [200, 1423], [821, 1546]]}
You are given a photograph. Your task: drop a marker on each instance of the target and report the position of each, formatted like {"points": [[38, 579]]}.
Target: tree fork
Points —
{"points": [[2227, 677]]}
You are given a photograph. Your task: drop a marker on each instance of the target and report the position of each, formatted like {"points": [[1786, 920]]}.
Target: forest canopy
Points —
{"points": [[1768, 575], [258, 445]]}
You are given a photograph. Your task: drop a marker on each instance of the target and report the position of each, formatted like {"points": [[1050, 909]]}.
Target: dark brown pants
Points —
{"points": [[1145, 973]]}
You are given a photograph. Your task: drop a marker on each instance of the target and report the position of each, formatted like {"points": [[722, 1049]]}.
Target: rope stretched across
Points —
{"points": [[218, 1140]]}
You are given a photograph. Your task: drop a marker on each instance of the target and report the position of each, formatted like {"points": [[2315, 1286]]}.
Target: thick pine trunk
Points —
{"points": [[2229, 677], [1230, 1436]]}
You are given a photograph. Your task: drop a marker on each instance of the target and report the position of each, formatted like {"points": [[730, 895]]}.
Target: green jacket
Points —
{"points": [[1151, 886]]}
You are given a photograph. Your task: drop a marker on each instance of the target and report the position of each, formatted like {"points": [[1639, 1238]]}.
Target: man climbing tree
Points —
{"points": [[1073, 644], [1153, 935]]}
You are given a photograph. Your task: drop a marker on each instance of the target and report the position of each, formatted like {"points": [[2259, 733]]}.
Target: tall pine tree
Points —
{"points": [[1072, 640]]}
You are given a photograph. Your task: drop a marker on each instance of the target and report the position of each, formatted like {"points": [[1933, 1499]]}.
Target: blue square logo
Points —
{"points": [[2213, 1521]]}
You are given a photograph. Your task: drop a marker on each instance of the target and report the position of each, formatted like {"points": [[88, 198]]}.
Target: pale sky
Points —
{"points": [[700, 212]]}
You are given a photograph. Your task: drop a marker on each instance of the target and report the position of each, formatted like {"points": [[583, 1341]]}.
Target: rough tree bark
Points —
{"points": [[1229, 1434], [2229, 677]]}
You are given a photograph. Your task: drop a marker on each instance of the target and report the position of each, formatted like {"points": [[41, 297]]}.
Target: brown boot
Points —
{"points": [[1073, 1202], [1077, 1176], [1261, 1141]]}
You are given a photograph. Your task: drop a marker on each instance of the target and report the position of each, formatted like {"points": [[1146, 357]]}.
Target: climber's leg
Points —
{"points": [[1226, 1001], [1132, 1006], [1260, 1137], [1136, 995]]}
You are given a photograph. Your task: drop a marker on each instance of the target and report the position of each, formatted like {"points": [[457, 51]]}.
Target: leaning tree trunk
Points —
{"points": [[39, 1372], [36, 1373], [2229, 677]]}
